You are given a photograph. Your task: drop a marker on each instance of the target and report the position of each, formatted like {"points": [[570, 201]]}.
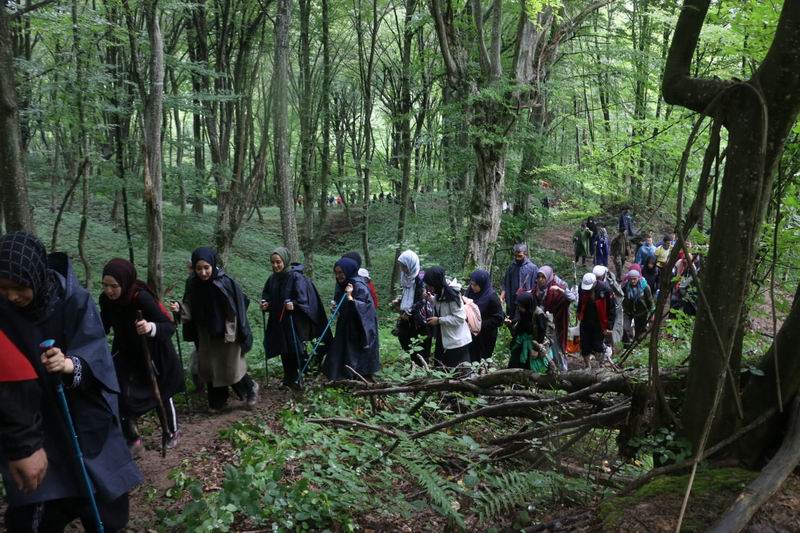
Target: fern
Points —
{"points": [[441, 492], [510, 490]]}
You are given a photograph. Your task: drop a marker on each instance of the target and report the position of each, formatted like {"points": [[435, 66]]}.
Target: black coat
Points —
{"points": [[136, 391], [492, 317], [308, 316], [237, 303], [73, 321], [355, 343]]}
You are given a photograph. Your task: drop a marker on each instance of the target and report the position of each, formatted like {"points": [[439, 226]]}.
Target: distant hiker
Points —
{"points": [[601, 248], [354, 347], [581, 241], [124, 295], [651, 274], [637, 305], [592, 226], [412, 328], [520, 277], [529, 349], [620, 251], [215, 309], [482, 293], [684, 293], [41, 299], [552, 295], [296, 314], [381, 197], [626, 222], [449, 320], [663, 251], [597, 313], [364, 273], [645, 249]]}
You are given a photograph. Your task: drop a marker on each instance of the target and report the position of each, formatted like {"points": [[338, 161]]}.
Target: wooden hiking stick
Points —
{"points": [[162, 413]]}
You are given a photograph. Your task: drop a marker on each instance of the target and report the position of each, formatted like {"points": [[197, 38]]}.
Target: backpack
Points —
{"points": [[161, 307], [473, 315]]}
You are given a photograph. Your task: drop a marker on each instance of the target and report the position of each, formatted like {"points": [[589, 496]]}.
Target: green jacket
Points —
{"points": [[581, 241]]}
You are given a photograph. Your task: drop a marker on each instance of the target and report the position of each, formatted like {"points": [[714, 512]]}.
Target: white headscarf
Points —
{"points": [[408, 281]]}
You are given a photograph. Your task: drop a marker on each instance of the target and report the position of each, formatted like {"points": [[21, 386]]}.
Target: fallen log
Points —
{"points": [[768, 482]]}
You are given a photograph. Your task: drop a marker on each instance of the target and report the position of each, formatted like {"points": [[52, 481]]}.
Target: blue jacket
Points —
{"points": [[73, 321], [644, 251]]}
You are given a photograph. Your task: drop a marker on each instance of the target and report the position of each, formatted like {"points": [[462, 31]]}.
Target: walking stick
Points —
{"points": [[321, 337], [296, 346], [162, 413], [76, 446], [266, 357], [177, 319]]}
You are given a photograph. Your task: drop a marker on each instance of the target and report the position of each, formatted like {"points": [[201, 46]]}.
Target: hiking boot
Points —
{"points": [[174, 440], [252, 396]]}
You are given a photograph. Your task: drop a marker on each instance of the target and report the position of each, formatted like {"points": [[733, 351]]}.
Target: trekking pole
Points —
{"points": [[321, 337], [162, 413], [76, 446], [296, 345], [264, 344], [177, 319]]}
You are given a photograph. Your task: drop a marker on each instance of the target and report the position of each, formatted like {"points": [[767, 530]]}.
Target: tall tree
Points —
{"points": [[758, 115], [152, 96], [281, 127], [16, 207]]}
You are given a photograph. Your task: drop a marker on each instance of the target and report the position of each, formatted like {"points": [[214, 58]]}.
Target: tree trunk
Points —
{"points": [[325, 172], [281, 134], [16, 210], [306, 137], [756, 138], [486, 206], [153, 189]]}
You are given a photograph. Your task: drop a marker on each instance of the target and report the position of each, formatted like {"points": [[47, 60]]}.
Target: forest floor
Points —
{"points": [[212, 444]]}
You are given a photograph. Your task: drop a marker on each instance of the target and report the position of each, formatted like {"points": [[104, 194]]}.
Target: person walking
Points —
{"points": [[520, 277], [215, 308], [411, 327], [620, 251], [124, 297], [492, 316], [449, 320]]}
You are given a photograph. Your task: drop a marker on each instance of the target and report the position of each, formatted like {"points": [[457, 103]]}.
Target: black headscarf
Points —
{"points": [[23, 260], [435, 277], [208, 304], [350, 268], [355, 256], [483, 280]]}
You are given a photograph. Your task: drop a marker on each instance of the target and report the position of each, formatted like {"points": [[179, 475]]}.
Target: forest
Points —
{"points": [[147, 129]]}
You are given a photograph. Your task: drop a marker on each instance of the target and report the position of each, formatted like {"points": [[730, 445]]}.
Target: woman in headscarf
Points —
{"points": [[41, 299], [528, 347], [636, 305], [552, 296], [123, 297], [296, 314], [651, 274], [411, 304], [216, 310], [450, 320], [492, 316], [601, 247], [354, 347]]}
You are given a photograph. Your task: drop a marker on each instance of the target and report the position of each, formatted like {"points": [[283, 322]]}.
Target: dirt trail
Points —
{"points": [[201, 452]]}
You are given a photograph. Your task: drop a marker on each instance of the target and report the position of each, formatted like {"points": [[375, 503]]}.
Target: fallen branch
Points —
{"points": [[768, 482], [350, 422]]}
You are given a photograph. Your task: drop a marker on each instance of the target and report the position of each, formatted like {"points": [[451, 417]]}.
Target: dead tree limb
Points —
{"points": [[356, 423], [767, 483]]}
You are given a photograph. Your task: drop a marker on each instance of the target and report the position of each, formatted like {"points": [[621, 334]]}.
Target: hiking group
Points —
{"points": [[69, 405]]}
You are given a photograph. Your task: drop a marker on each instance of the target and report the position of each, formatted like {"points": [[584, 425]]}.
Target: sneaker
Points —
{"points": [[174, 440], [136, 447], [252, 396]]}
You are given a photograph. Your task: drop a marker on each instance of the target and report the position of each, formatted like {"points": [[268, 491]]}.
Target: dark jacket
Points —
{"points": [[137, 394], [308, 316], [492, 317], [238, 302], [73, 321], [356, 341], [604, 302]]}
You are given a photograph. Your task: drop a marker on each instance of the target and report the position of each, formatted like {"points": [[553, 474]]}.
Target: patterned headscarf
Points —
{"points": [[23, 260]]}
